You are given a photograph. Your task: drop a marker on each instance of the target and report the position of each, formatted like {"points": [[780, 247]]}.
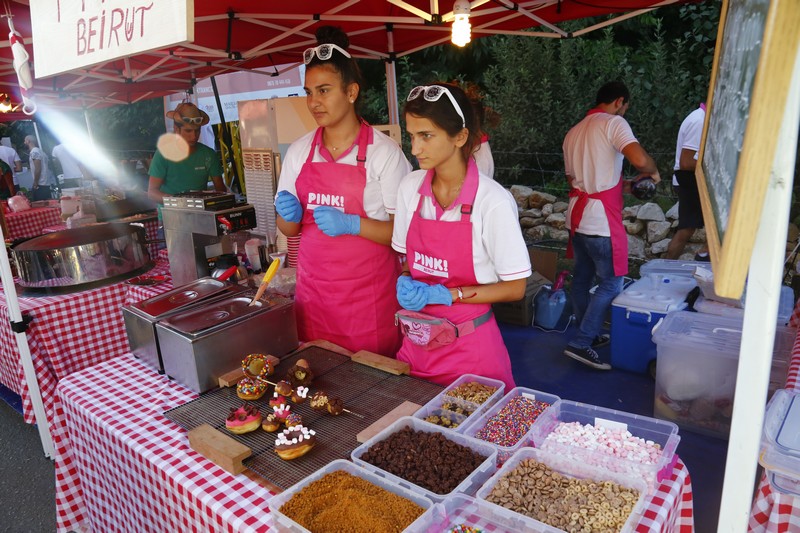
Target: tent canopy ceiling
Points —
{"points": [[237, 35]]}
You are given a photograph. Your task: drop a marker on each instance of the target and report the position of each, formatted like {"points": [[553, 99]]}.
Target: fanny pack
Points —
{"points": [[431, 332]]}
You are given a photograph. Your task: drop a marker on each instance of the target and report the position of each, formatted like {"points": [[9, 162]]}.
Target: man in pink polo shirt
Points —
{"points": [[593, 153]]}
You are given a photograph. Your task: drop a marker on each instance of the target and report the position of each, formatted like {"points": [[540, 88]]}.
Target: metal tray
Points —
{"points": [[367, 391]]}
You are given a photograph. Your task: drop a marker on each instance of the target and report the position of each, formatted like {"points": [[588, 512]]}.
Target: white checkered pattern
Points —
{"points": [[69, 332], [772, 510], [122, 466], [31, 222]]}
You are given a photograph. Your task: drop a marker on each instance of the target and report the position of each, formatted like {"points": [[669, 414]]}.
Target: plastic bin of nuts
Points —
{"points": [[462, 401], [282, 523], [507, 424], [588, 496], [406, 452], [614, 440], [460, 510]]}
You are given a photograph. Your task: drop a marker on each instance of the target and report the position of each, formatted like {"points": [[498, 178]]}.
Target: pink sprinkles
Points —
{"points": [[510, 424]]}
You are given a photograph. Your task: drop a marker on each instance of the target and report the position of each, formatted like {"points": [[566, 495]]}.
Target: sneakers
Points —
{"points": [[706, 258], [587, 356], [601, 340]]}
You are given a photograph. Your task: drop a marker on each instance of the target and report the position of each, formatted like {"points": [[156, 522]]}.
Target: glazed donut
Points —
{"points": [[300, 375], [276, 400], [283, 387], [271, 423], [335, 406], [257, 365], [293, 420], [319, 402], [300, 394], [295, 442], [282, 411], [244, 419], [250, 389]]}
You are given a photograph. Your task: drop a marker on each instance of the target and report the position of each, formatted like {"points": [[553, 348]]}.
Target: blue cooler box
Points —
{"points": [[634, 313]]}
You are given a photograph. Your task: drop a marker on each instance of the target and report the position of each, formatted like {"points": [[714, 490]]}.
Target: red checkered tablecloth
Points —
{"points": [[30, 223], [122, 466], [773, 511], [69, 332]]}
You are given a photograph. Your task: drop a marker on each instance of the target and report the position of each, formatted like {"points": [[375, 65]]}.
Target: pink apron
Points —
{"points": [[345, 285], [441, 252], [613, 204]]}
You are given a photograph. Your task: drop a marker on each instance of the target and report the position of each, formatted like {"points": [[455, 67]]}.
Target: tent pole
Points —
{"points": [[760, 316], [391, 79], [15, 317]]}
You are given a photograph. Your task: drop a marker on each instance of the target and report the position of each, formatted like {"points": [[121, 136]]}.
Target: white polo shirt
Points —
{"points": [[483, 158], [498, 249], [593, 157], [689, 136], [386, 165]]}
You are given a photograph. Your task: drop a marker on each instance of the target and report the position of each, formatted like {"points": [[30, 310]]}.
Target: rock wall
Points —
{"points": [[542, 216]]}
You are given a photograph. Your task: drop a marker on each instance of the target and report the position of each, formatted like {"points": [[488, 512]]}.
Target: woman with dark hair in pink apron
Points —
{"points": [[338, 187], [463, 246]]}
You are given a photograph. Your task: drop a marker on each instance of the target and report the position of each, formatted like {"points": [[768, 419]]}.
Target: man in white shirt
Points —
{"points": [[43, 177], [690, 213], [593, 153], [70, 167]]}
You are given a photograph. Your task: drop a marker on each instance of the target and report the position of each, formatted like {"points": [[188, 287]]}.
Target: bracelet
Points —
{"points": [[405, 274], [460, 293]]}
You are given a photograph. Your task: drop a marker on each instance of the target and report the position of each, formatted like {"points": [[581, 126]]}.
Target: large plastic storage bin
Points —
{"points": [[504, 452], [283, 523], [434, 407], [671, 267], [698, 358], [570, 468], [780, 442], [785, 307], [664, 434], [470, 484], [634, 313], [462, 510]]}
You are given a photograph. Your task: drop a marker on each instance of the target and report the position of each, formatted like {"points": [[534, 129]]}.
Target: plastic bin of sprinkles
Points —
{"points": [[614, 440], [283, 523], [411, 448], [614, 499], [462, 401], [507, 424]]}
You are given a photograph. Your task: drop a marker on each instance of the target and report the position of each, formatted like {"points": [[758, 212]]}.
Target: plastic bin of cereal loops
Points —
{"points": [[462, 401], [460, 513], [588, 496], [615, 440], [426, 458], [306, 499], [507, 423]]}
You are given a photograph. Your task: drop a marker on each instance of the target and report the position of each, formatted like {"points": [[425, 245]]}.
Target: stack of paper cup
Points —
{"points": [[251, 250]]}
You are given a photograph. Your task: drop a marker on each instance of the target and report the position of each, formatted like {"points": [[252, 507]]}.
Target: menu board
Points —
{"points": [[757, 43]]}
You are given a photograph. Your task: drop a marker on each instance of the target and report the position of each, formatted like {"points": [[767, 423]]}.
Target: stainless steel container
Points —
{"points": [[199, 345], [88, 255], [141, 317]]}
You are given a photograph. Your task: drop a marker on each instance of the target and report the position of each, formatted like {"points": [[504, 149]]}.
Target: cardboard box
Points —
{"points": [[520, 312], [544, 262]]}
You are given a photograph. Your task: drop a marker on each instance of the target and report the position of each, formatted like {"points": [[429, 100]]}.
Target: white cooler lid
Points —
{"points": [[656, 293], [671, 267]]}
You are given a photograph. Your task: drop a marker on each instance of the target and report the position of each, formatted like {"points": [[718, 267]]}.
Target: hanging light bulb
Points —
{"points": [[5, 104], [461, 25]]}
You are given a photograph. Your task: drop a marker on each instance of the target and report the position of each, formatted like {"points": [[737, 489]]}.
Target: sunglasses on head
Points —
{"points": [[432, 93], [324, 52]]}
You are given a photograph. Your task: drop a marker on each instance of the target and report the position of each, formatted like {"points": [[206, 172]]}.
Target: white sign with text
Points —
{"points": [[70, 34]]}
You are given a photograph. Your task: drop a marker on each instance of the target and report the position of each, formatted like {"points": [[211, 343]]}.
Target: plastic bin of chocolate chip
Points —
{"points": [[614, 440], [466, 398], [427, 458], [458, 512], [330, 481], [568, 494], [507, 424]]}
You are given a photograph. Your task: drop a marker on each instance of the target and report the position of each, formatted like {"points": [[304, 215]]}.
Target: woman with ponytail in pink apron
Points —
{"points": [[463, 246], [338, 187]]}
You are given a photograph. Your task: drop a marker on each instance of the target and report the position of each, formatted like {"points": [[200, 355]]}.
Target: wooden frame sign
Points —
{"points": [[754, 58]]}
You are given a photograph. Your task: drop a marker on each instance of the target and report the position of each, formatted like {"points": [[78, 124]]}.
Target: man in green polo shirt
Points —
{"points": [[190, 174]]}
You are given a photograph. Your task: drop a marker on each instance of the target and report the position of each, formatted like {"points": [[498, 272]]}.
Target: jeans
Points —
{"points": [[593, 258], [42, 193]]}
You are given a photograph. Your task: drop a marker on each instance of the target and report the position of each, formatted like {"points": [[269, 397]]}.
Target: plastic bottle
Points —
{"points": [[550, 302]]}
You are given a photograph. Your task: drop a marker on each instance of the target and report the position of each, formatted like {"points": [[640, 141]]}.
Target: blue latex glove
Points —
{"points": [[334, 223], [439, 294], [288, 207], [411, 294]]}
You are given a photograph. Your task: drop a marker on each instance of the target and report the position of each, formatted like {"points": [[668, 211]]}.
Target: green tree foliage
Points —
{"points": [[129, 127]]}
